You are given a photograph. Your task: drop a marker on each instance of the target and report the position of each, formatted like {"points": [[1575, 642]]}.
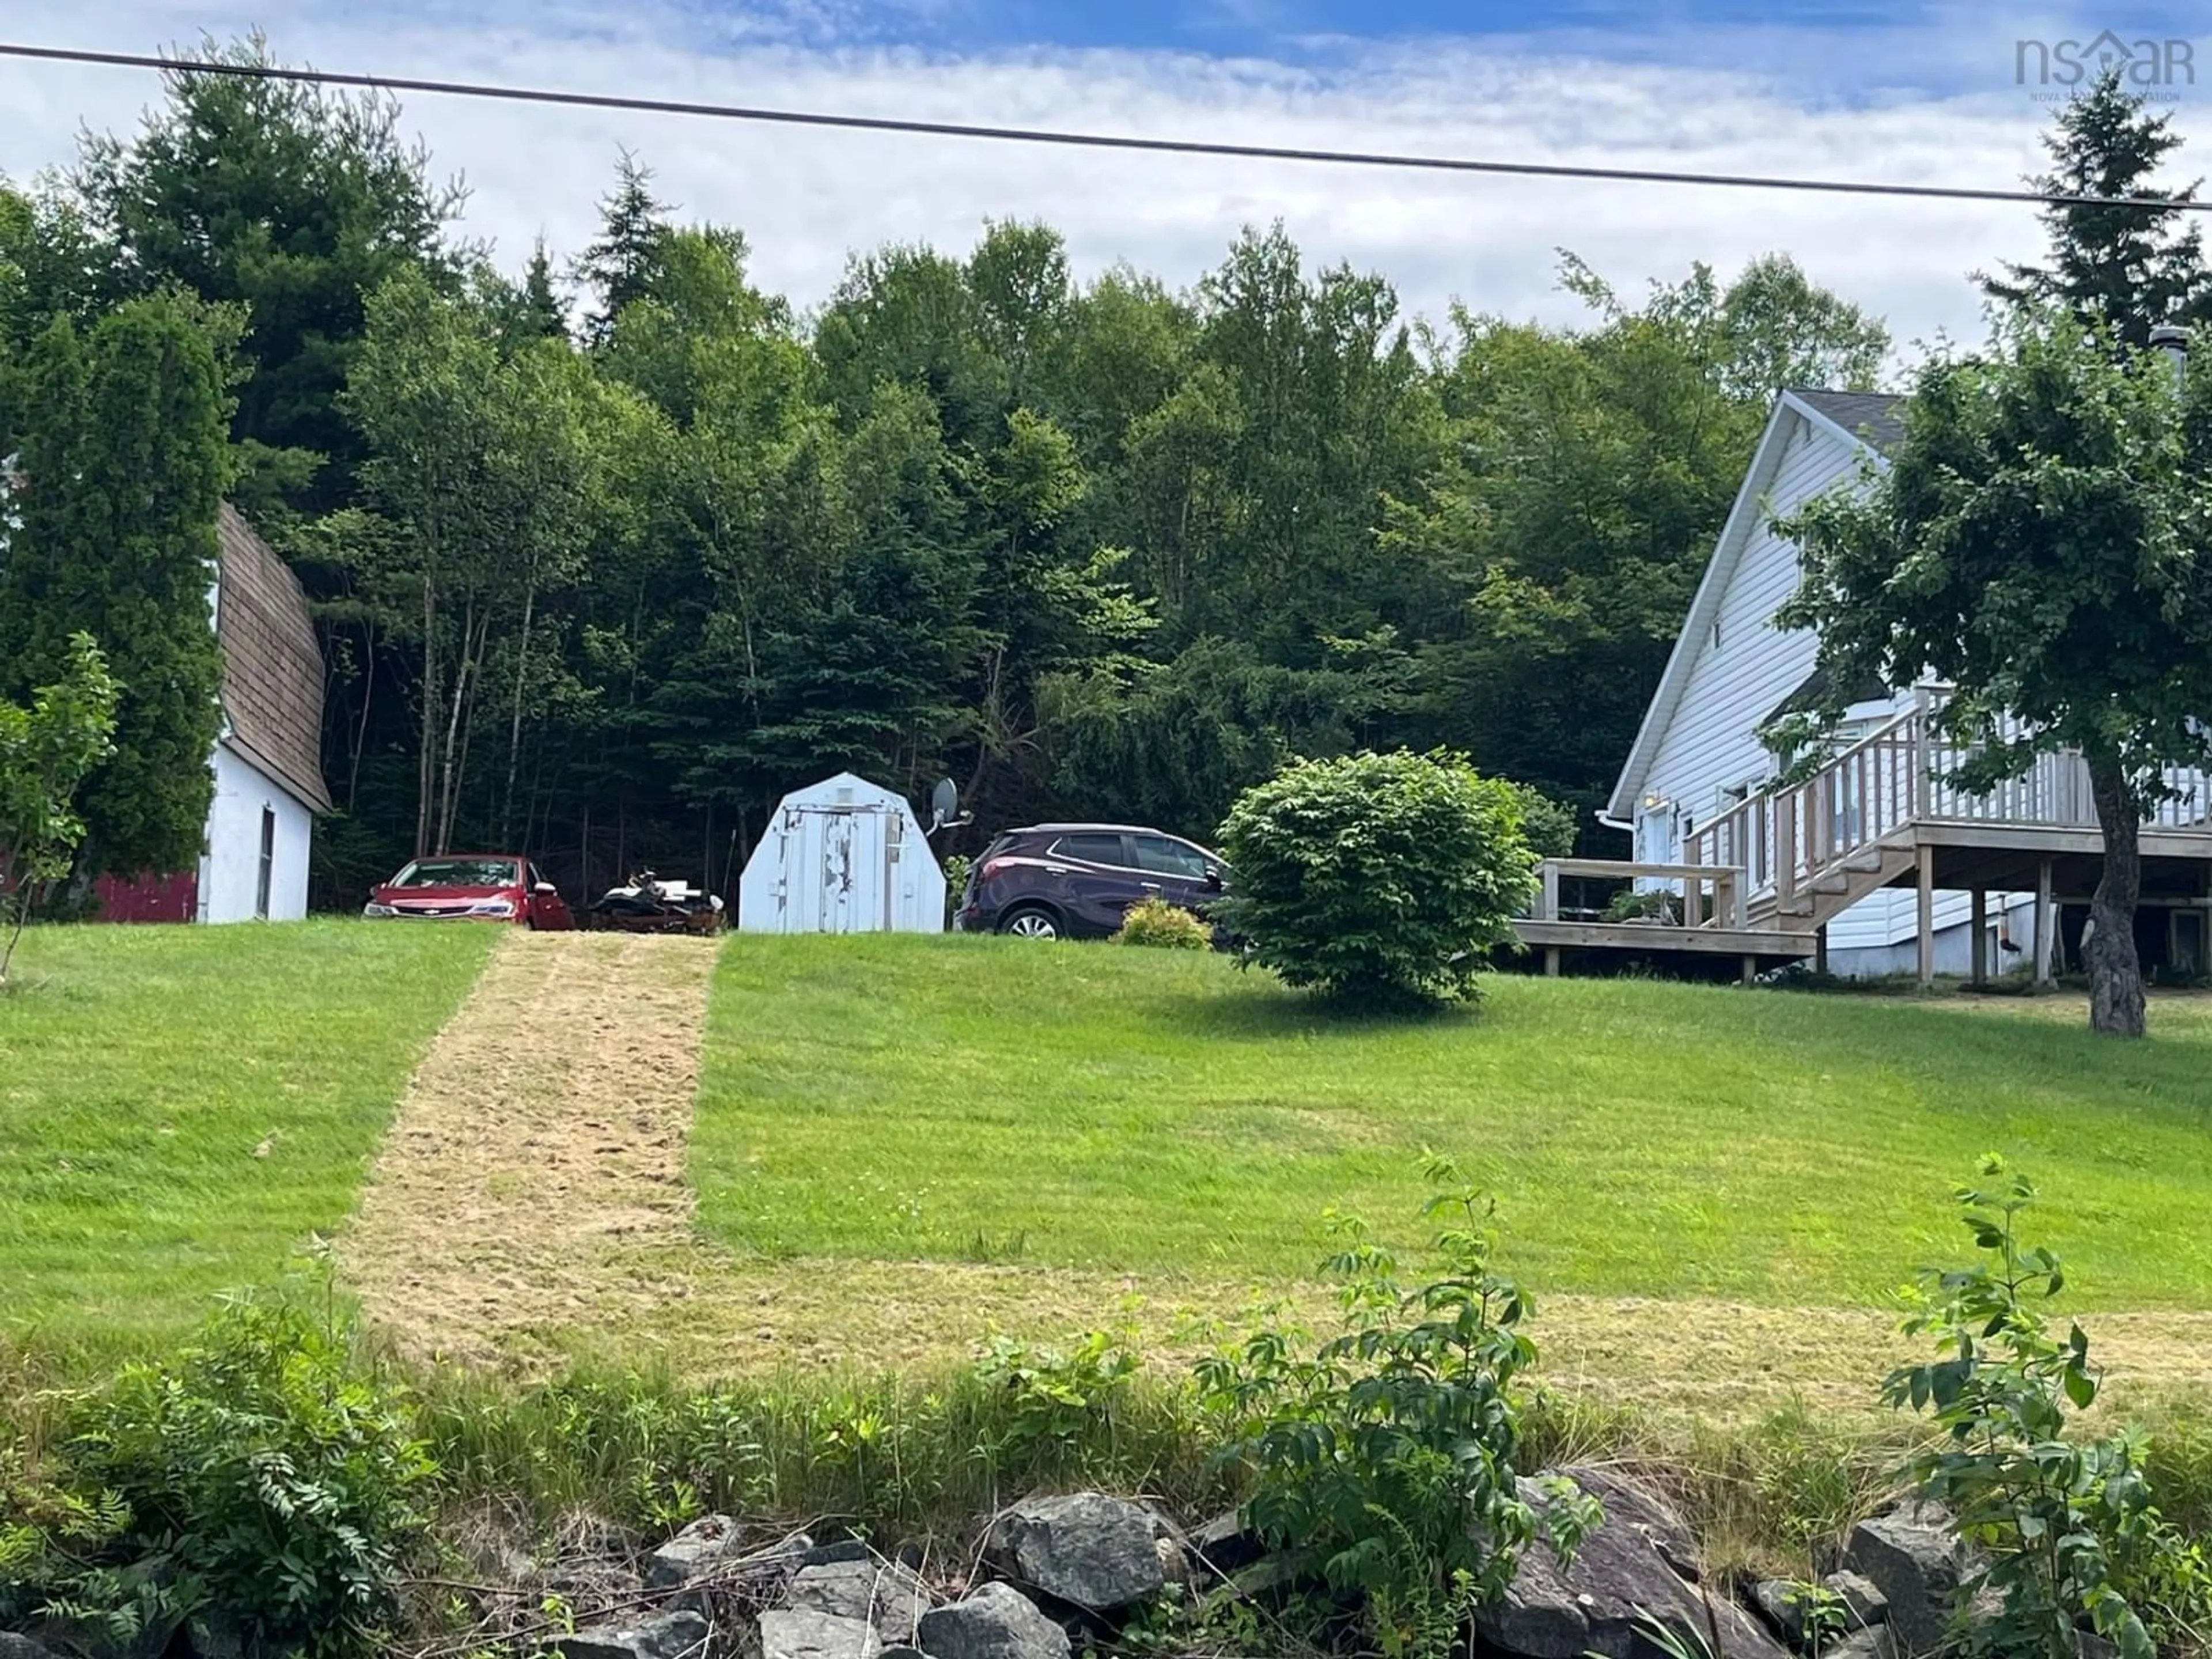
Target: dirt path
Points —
{"points": [[533, 1180]]}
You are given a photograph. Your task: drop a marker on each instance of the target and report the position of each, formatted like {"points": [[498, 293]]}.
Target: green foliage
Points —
{"points": [[2123, 270], [124, 467], [2036, 544], [1388, 1454], [1051, 1400], [1651, 904], [1153, 921], [2062, 1519], [259, 1482], [46, 750], [293, 202], [1379, 877], [1548, 826]]}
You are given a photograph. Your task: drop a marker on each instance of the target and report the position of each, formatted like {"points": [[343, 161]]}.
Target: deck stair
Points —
{"points": [[1763, 880]]}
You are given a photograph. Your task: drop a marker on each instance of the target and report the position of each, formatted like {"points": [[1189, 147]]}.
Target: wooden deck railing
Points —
{"points": [[1785, 838], [1713, 895]]}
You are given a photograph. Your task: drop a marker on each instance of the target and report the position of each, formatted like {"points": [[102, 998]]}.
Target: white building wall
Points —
{"points": [[1711, 745], [230, 866]]}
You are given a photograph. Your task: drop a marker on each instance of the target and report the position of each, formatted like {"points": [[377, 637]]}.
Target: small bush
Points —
{"points": [[1157, 923], [1631, 904], [1383, 878], [1391, 1453], [265, 1474], [2067, 1525]]}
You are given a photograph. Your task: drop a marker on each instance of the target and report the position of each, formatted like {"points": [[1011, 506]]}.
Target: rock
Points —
{"points": [[1875, 1642], [13, 1646], [1225, 1543], [1863, 1603], [1914, 1560], [803, 1633], [996, 1622], [664, 1636], [1639, 1564], [694, 1551], [881, 1593], [1090, 1550], [1779, 1602], [844, 1549]]}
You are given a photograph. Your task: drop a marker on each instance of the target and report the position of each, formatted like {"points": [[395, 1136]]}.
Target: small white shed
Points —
{"points": [[843, 856]]}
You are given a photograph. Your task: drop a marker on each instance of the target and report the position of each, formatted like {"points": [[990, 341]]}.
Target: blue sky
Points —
{"points": [[1880, 90]]}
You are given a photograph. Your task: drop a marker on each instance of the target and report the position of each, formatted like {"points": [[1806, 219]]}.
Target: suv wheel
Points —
{"points": [[1031, 923]]}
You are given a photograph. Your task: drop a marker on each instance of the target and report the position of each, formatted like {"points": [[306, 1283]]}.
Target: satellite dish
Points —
{"points": [[944, 802]]}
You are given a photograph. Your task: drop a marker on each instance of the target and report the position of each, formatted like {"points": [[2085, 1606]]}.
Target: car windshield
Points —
{"points": [[457, 872]]}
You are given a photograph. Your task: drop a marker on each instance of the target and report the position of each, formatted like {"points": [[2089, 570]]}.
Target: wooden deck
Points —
{"points": [[1763, 880]]}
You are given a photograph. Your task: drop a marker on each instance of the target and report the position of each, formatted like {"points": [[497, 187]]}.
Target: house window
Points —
{"points": [[268, 863]]}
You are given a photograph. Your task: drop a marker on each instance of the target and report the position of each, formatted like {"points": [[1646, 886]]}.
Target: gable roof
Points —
{"points": [[1875, 418], [1868, 420], [272, 666]]}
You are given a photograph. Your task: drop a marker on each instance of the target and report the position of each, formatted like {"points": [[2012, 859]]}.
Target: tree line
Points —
{"points": [[610, 554]]}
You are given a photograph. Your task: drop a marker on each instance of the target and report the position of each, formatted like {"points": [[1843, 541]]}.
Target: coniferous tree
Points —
{"points": [[2124, 268], [622, 261], [123, 463], [541, 312]]}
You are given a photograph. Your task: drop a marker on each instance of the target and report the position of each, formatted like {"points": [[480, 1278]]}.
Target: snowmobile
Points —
{"points": [[647, 904]]}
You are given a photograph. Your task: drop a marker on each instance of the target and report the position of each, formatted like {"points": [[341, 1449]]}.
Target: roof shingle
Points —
{"points": [[272, 665]]}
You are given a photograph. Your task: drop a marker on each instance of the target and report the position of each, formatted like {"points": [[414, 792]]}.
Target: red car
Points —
{"points": [[472, 887]]}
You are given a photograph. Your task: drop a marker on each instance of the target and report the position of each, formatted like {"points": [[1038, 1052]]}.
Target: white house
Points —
{"points": [[843, 856], [1697, 754], [268, 759]]}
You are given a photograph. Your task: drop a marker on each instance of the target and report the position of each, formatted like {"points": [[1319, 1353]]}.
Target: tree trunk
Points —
{"points": [[514, 729], [426, 763], [2116, 984]]}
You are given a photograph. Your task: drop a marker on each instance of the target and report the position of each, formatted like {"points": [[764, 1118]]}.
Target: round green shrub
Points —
{"points": [[1382, 878], [1164, 926]]}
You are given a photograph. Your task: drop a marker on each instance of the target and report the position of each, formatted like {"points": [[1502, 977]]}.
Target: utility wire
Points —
{"points": [[1084, 140]]}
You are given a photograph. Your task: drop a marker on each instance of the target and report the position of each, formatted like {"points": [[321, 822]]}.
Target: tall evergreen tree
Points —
{"points": [[2126, 270], [124, 464], [542, 311], [294, 202], [620, 264]]}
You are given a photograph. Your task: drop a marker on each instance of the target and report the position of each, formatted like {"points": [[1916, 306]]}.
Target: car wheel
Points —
{"points": [[1031, 923]]}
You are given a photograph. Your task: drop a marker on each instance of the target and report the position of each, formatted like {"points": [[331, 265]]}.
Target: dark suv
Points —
{"points": [[1075, 881]]}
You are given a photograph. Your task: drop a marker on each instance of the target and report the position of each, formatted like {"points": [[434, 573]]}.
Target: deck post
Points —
{"points": [[1821, 949], [1694, 889], [1550, 909], [1981, 925], [1751, 970], [1926, 928], [2046, 924], [1551, 962], [1785, 846]]}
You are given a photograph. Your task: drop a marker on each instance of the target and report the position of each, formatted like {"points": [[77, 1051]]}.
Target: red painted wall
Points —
{"points": [[149, 898]]}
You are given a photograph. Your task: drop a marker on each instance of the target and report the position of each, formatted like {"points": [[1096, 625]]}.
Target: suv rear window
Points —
{"points": [[1170, 858], [1089, 849]]}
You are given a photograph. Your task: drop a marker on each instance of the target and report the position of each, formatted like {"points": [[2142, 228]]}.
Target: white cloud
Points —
{"points": [[807, 197]]}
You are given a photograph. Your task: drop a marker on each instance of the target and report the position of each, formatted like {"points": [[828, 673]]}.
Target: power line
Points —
{"points": [[1084, 140]]}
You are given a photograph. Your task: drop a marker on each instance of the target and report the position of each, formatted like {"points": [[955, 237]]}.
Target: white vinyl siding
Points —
{"points": [[1710, 748], [1712, 742]]}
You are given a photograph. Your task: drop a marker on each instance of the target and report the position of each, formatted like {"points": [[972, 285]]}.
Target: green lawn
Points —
{"points": [[1103, 1108], [181, 1108]]}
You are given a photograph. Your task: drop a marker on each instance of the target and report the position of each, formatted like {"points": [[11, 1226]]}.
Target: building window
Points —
{"points": [[267, 862]]}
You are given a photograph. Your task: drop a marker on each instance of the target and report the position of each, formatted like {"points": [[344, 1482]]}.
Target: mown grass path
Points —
{"points": [[183, 1109], [532, 1183]]}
